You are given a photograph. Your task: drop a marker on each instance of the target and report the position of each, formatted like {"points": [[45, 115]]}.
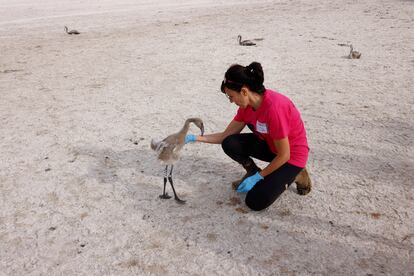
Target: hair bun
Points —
{"points": [[251, 76], [255, 70], [250, 69]]}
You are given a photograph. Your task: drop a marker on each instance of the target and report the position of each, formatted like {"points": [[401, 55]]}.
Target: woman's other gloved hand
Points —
{"points": [[190, 138], [249, 183]]}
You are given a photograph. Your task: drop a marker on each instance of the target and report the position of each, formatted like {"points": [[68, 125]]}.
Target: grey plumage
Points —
{"points": [[169, 148], [353, 54], [71, 32], [245, 42]]}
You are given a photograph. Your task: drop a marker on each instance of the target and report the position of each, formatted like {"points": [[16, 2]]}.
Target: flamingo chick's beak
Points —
{"points": [[202, 129]]}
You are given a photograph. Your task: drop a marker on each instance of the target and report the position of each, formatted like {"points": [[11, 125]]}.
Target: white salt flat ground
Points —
{"points": [[79, 185]]}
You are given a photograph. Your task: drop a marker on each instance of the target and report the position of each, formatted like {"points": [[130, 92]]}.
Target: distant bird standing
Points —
{"points": [[245, 42], [169, 152], [71, 32], [353, 54]]}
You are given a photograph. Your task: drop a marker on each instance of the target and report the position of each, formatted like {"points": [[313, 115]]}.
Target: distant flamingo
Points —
{"points": [[245, 42], [353, 54], [71, 32]]}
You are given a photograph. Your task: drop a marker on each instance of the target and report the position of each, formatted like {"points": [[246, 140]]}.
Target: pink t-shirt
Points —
{"points": [[277, 118]]}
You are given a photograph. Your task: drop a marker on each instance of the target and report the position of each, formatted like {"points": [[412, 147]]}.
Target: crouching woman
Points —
{"points": [[277, 136]]}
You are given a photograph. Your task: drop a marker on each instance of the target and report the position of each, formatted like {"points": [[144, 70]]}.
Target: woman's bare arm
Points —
{"points": [[283, 155], [216, 138]]}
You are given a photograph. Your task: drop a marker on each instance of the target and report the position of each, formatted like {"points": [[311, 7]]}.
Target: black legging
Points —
{"points": [[241, 147]]}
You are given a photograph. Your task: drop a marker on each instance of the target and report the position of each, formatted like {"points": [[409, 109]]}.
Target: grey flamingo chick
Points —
{"points": [[353, 54], [169, 152], [71, 32], [245, 42]]}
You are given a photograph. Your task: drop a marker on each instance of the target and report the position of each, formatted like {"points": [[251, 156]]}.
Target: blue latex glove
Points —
{"points": [[249, 183], [190, 138]]}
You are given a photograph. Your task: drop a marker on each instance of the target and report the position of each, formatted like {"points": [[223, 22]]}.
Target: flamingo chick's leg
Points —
{"points": [[164, 194], [172, 185]]}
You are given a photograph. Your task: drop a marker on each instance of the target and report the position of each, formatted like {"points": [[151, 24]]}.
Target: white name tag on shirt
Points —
{"points": [[261, 127]]}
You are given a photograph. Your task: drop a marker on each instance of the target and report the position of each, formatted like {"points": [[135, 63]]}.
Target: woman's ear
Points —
{"points": [[243, 91]]}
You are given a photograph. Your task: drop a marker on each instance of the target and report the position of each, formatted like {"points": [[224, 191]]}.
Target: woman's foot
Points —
{"points": [[251, 168], [303, 182]]}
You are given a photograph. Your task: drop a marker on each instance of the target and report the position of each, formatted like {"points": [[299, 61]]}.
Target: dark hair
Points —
{"points": [[251, 76]]}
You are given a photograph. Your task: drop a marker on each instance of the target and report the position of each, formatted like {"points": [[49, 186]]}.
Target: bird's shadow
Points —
{"points": [[136, 167]]}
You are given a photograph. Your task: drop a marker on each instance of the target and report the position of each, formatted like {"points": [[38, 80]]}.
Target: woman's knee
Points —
{"points": [[259, 198], [257, 204], [230, 143]]}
